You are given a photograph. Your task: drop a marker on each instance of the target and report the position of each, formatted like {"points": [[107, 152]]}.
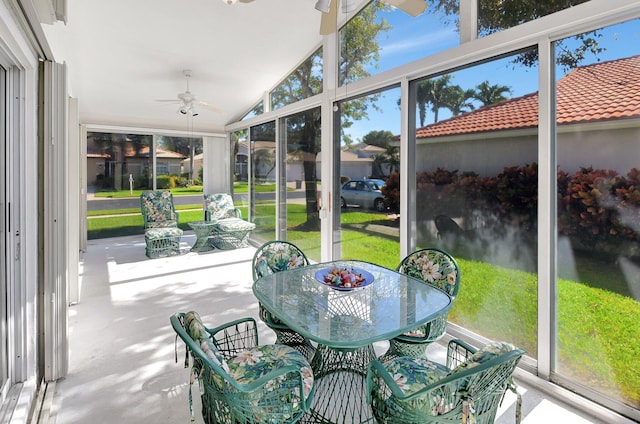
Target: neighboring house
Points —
{"points": [[364, 150], [167, 162], [368, 151], [95, 167], [102, 165], [354, 164], [598, 109], [197, 164]]}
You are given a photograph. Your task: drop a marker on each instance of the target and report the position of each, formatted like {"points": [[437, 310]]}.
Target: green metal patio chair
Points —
{"points": [[162, 235], [469, 389], [241, 381], [435, 267], [231, 231], [272, 257]]}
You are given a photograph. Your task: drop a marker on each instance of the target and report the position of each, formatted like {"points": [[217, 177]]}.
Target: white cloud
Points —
{"points": [[430, 41]]}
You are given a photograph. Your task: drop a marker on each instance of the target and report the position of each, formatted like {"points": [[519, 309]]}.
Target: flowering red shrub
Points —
{"points": [[596, 207]]}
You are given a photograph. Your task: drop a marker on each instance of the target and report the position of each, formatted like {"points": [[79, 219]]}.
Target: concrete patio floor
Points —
{"points": [[123, 365]]}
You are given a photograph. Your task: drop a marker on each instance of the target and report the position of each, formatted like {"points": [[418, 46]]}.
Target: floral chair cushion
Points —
{"points": [[438, 269], [198, 332], [157, 233], [433, 267], [412, 375], [229, 225], [220, 206], [157, 208], [251, 364], [484, 354], [276, 257]]}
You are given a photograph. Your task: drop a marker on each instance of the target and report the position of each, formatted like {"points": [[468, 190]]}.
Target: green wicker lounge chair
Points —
{"points": [[272, 257], [439, 269], [162, 235], [468, 390], [241, 381], [231, 231]]}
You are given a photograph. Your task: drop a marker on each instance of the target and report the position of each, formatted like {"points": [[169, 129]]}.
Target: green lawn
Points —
{"points": [[597, 330], [122, 194]]}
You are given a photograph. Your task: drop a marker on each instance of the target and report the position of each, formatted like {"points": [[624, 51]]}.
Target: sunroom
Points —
{"points": [[518, 122]]}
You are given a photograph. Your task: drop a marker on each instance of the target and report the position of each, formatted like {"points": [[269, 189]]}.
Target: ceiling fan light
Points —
{"points": [[323, 5]]}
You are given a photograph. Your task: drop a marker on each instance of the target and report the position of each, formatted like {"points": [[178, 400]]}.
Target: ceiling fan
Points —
{"points": [[329, 9], [187, 101]]}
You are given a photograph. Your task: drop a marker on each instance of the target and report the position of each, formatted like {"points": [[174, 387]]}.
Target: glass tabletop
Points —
{"points": [[383, 308], [197, 224]]}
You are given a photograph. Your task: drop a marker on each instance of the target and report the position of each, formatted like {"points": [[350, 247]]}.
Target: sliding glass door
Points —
{"points": [[5, 236]]}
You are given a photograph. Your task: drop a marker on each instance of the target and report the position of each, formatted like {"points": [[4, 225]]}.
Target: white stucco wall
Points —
{"points": [[603, 146]]}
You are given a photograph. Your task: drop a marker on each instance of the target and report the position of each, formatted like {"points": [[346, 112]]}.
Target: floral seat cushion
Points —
{"points": [[412, 374], [248, 366], [156, 233], [251, 364], [234, 224], [484, 354]]}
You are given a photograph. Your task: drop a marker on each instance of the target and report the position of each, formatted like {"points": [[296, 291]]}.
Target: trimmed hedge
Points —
{"points": [[596, 208]]}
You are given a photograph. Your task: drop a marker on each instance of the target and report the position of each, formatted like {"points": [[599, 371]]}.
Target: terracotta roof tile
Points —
{"points": [[598, 92]]}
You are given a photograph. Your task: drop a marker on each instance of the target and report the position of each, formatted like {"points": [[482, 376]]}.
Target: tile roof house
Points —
{"points": [[355, 163], [102, 164], [595, 103]]}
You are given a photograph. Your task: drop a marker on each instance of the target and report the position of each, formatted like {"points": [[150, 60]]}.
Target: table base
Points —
{"points": [[202, 230], [341, 386], [202, 245]]}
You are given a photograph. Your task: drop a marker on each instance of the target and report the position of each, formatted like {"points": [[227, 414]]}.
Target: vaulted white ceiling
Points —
{"points": [[123, 55]]}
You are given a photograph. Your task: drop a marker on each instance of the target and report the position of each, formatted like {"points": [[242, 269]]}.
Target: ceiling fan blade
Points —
{"points": [[329, 21], [170, 101], [208, 106], [245, 1], [412, 7]]}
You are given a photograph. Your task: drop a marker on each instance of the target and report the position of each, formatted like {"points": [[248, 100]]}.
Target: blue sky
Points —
{"points": [[408, 41]]}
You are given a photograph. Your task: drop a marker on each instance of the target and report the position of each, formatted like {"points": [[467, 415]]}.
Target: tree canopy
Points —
{"points": [[359, 47], [495, 16]]}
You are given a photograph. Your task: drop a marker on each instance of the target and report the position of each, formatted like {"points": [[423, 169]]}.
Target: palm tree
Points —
{"points": [[489, 94], [458, 100], [433, 92]]}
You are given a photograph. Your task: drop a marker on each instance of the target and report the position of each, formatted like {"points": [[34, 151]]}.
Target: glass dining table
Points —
{"points": [[345, 322]]}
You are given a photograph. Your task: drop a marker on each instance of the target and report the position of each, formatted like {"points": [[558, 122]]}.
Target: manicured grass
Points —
{"points": [[121, 194], [114, 225], [103, 212], [597, 332], [243, 187]]}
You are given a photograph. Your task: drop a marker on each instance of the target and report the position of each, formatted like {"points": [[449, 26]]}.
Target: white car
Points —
{"points": [[363, 193]]}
